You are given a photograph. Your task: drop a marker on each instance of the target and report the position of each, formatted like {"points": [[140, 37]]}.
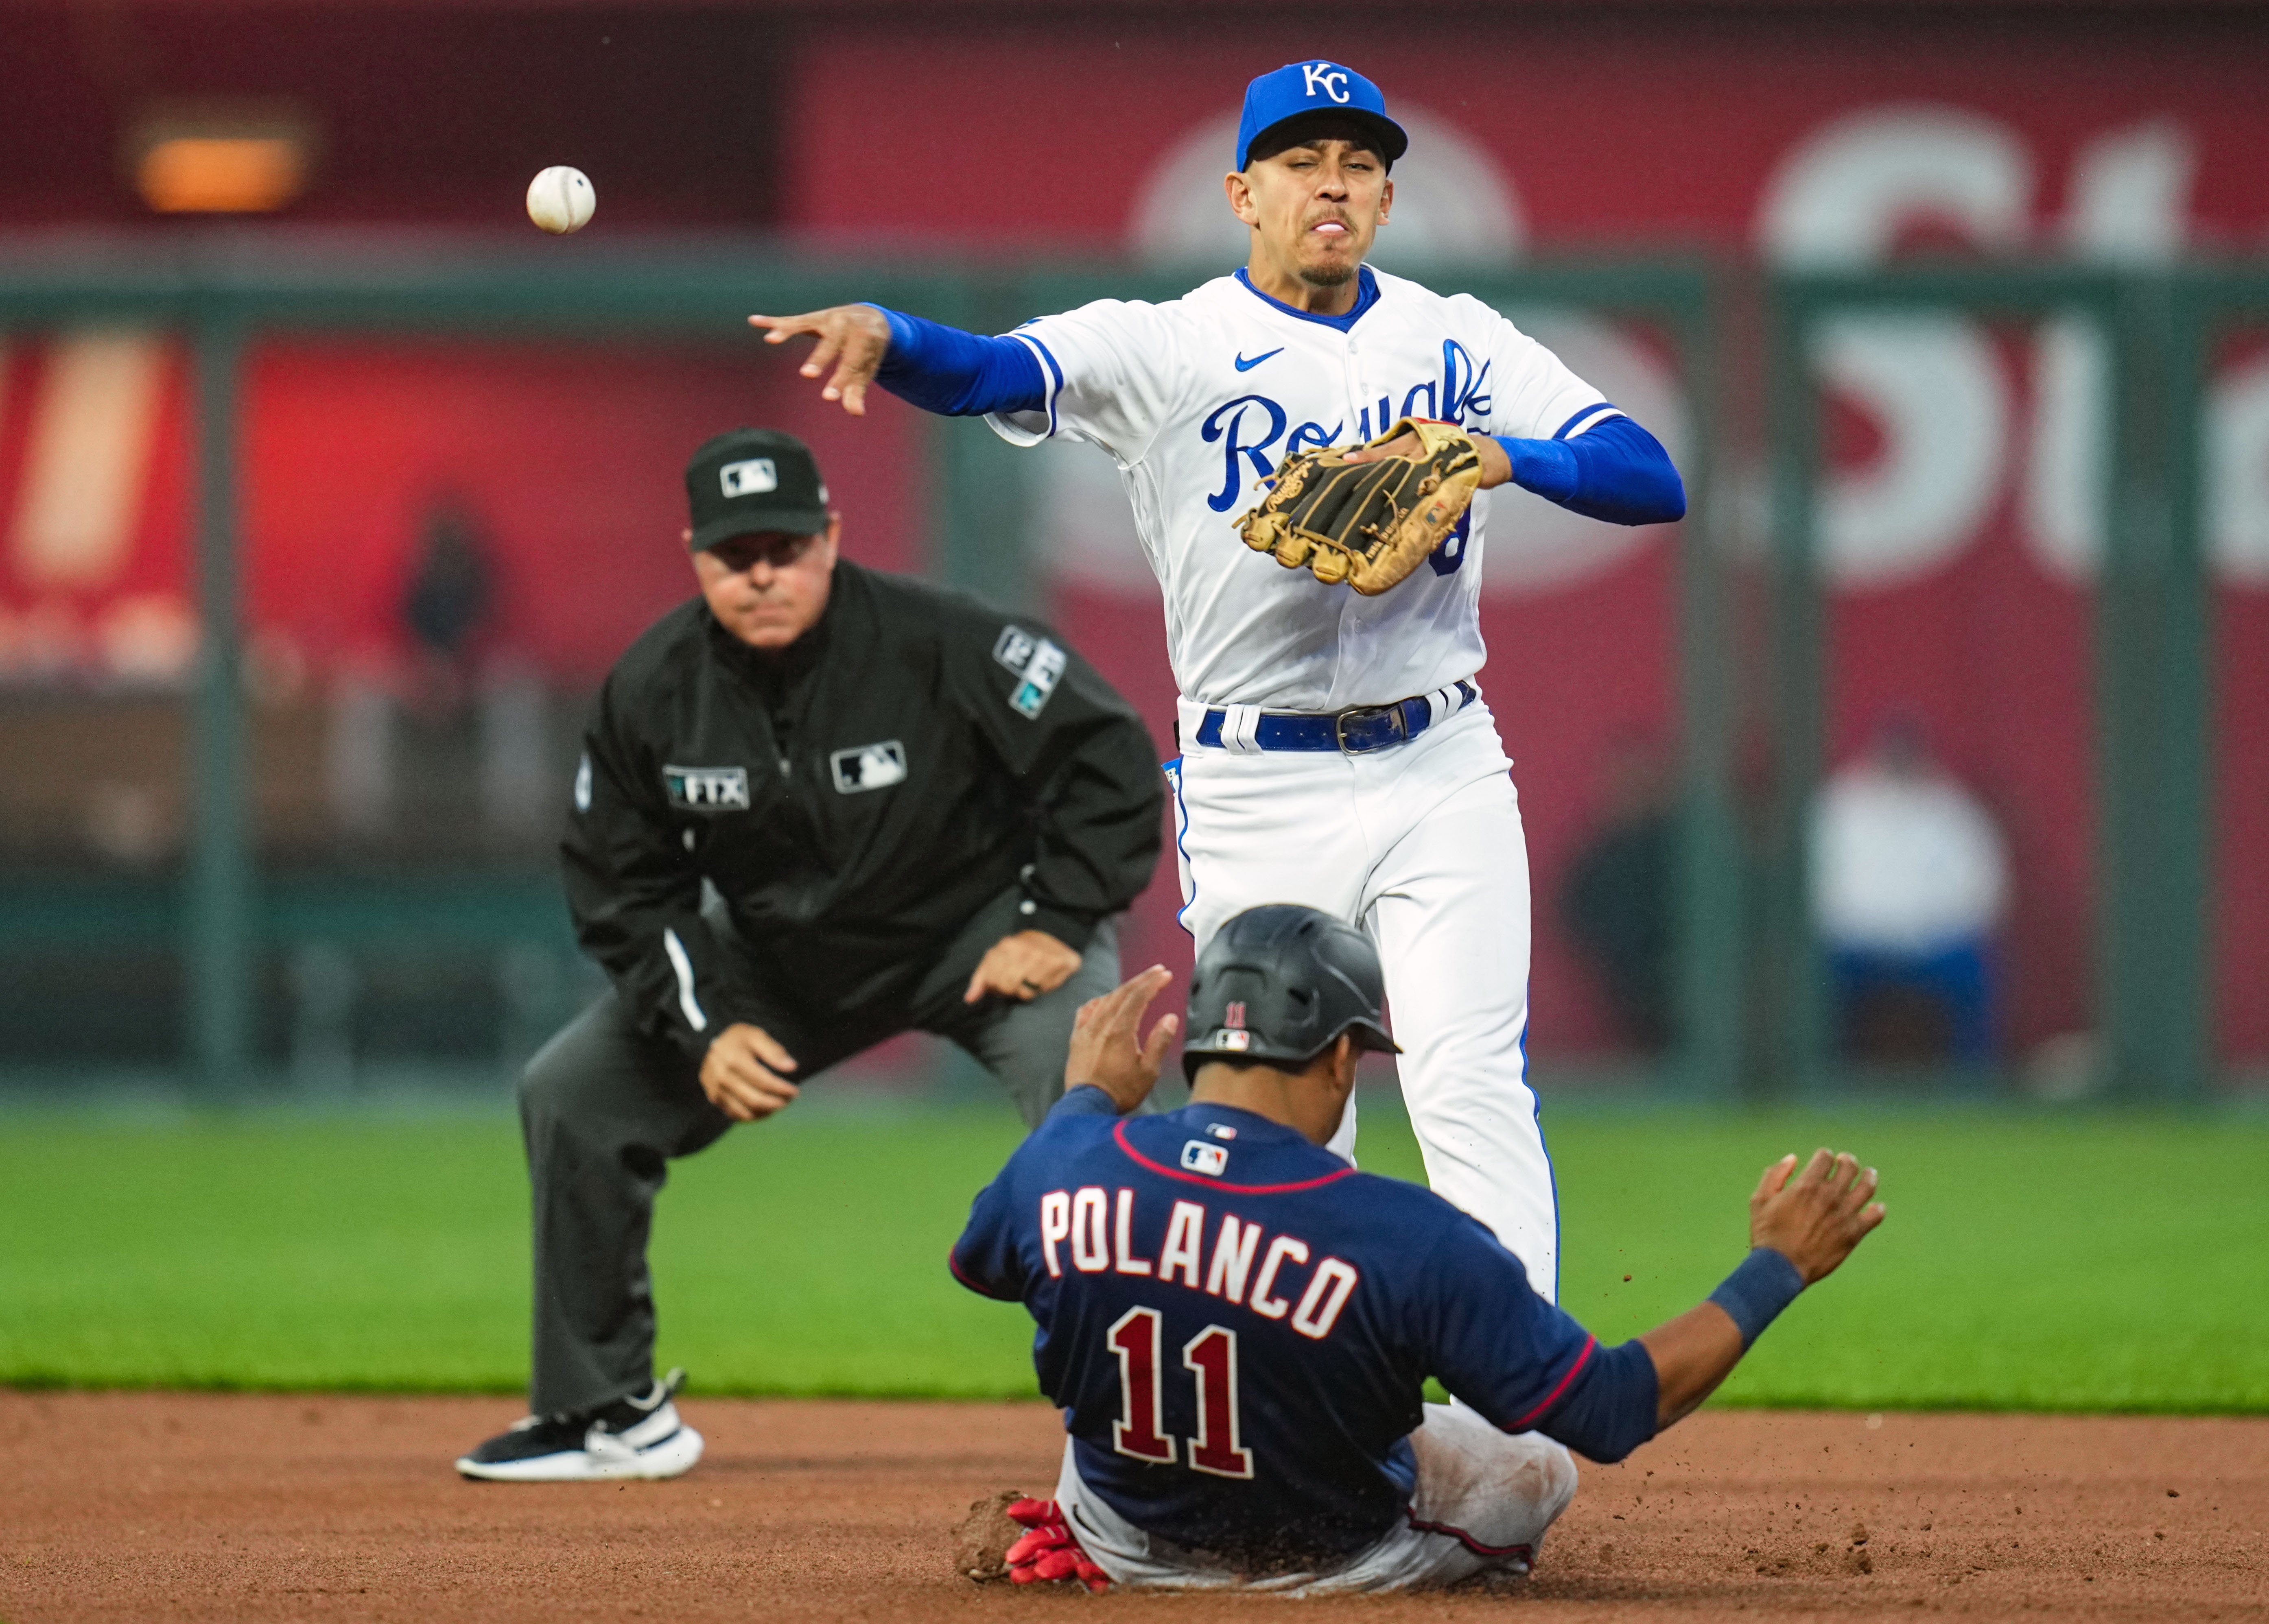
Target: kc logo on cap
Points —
{"points": [[1300, 88], [752, 477]]}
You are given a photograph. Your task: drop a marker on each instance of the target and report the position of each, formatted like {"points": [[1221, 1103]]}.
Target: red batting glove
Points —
{"points": [[1050, 1553]]}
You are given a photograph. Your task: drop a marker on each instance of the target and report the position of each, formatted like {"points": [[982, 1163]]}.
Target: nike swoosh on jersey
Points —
{"points": [[1245, 366]]}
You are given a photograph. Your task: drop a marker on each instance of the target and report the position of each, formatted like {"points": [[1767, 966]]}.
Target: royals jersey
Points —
{"points": [[1200, 398], [1237, 1324]]}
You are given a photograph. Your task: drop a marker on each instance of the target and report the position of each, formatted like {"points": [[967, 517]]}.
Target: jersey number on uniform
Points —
{"points": [[1445, 558], [1141, 1430]]}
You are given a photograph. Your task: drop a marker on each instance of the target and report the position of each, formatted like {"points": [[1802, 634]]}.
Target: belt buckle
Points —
{"points": [[1364, 713]]}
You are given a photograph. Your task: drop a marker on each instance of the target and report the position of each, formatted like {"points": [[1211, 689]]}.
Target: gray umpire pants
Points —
{"points": [[604, 1108]]}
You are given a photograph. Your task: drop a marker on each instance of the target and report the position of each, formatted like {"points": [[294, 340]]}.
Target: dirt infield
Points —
{"points": [[153, 1506]]}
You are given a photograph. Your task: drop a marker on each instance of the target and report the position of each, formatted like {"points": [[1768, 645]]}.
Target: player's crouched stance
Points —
{"points": [[1237, 1324], [818, 806]]}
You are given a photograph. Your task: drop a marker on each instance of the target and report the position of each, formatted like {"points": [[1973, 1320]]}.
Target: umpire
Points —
{"points": [[817, 807]]}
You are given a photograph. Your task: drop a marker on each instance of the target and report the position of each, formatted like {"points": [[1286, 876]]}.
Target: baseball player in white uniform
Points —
{"points": [[1336, 749]]}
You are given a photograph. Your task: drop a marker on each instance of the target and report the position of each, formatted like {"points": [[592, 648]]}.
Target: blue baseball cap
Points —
{"points": [[1307, 87]]}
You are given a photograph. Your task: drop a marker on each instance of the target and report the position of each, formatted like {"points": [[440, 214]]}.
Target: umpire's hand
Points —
{"points": [[1022, 966], [742, 1072]]}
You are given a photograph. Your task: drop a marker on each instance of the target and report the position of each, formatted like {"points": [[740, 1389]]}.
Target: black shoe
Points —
{"points": [[639, 1436]]}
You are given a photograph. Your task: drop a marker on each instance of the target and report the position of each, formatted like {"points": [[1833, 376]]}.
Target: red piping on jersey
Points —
{"points": [[954, 1263], [1524, 1552], [1554, 1396], [1119, 1133]]}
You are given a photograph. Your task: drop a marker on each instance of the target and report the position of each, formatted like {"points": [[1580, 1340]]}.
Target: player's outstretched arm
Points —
{"points": [[853, 338], [938, 368], [1802, 1226]]}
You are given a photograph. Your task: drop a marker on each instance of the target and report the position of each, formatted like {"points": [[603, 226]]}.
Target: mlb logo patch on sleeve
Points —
{"points": [[868, 766], [707, 789], [1038, 659]]}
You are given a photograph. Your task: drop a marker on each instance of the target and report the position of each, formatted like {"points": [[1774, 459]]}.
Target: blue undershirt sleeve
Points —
{"points": [[1609, 1409], [1617, 471], [958, 375]]}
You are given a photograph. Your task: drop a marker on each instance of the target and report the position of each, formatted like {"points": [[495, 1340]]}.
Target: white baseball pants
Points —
{"points": [[1483, 1499], [1420, 846]]}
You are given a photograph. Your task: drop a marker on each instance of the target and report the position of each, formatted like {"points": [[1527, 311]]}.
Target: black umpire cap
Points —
{"points": [[748, 482], [1278, 984]]}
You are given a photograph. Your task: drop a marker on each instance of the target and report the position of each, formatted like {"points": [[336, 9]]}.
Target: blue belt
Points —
{"points": [[1356, 732]]}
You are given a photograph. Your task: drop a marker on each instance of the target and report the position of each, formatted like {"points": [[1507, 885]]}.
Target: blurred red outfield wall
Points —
{"points": [[1961, 527]]}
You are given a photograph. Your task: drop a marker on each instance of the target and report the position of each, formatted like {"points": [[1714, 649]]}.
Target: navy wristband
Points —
{"points": [[1756, 1292]]}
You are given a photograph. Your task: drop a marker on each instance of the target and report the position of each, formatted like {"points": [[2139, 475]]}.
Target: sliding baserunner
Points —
{"points": [[1237, 1324]]}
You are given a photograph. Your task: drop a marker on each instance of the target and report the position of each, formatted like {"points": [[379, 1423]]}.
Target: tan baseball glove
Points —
{"points": [[1368, 524]]}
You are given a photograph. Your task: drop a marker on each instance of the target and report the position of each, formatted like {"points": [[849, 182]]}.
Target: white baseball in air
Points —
{"points": [[560, 200]]}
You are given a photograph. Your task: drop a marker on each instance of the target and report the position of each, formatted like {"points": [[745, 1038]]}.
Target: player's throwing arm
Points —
{"points": [[853, 339]]}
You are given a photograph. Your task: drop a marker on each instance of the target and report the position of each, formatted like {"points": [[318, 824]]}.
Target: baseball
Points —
{"points": [[560, 200]]}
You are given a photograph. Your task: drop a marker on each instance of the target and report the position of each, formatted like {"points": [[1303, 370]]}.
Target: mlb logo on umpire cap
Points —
{"points": [[751, 477], [753, 482]]}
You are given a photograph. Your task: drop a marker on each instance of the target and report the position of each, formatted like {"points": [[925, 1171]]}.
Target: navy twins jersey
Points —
{"points": [[1238, 1323]]}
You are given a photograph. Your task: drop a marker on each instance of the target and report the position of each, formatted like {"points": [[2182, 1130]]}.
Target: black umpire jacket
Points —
{"points": [[855, 799]]}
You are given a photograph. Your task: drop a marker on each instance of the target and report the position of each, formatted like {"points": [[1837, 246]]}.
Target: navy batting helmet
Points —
{"points": [[1279, 984]]}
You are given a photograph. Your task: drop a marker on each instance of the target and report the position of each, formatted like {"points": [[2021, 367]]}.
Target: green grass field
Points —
{"points": [[2030, 1261]]}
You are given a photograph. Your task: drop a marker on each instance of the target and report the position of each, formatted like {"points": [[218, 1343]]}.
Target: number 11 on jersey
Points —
{"points": [[1140, 1431]]}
